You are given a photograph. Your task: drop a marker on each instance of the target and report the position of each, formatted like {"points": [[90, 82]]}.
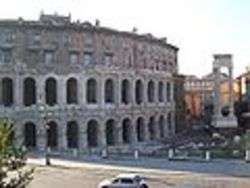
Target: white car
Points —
{"points": [[124, 181]]}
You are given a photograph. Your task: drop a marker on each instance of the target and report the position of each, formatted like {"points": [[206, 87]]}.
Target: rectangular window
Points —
{"points": [[74, 56], [87, 58], [48, 57], [5, 56], [108, 59]]}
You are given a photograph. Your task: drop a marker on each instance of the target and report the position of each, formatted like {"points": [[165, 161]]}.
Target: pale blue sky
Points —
{"points": [[199, 28]]}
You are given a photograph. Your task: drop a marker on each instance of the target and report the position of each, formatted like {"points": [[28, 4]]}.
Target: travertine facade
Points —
{"points": [[101, 87]]}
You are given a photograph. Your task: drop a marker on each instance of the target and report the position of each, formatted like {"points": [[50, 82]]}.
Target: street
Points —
{"points": [[75, 174]]}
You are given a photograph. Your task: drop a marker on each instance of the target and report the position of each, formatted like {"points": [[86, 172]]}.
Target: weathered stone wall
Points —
{"points": [[131, 56]]}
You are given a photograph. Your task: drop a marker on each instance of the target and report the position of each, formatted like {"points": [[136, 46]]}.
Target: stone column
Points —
{"points": [[102, 135], [19, 133], [41, 135], [133, 133], [119, 96], [62, 92], [81, 88], [216, 91], [40, 85], [62, 135], [84, 90], [173, 122], [82, 135], [18, 94], [230, 87], [146, 132], [102, 92], [119, 133]]}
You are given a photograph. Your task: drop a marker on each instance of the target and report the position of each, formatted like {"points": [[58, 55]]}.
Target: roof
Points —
{"points": [[131, 176]]}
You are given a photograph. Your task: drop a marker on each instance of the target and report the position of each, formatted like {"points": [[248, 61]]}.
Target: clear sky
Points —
{"points": [[199, 28]]}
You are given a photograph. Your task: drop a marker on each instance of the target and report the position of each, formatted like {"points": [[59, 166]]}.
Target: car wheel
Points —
{"points": [[143, 186]]}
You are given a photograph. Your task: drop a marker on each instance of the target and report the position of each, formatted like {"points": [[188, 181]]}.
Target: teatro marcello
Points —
{"points": [[75, 85]]}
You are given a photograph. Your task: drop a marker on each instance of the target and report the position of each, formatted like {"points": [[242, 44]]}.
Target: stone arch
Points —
{"points": [[91, 91], [29, 91], [7, 91], [151, 91], [160, 92], [162, 126], [52, 134], [109, 91], [125, 92], [139, 92], [72, 91], [110, 132], [140, 129], [30, 135], [151, 128], [51, 91], [126, 130], [92, 133], [72, 134]]}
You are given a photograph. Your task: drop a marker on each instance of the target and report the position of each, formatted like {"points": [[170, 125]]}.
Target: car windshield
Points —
{"points": [[126, 181]]}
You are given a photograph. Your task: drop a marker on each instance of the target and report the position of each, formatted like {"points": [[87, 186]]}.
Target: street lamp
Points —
{"points": [[43, 112]]}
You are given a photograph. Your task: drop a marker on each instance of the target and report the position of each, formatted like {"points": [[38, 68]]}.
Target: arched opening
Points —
{"points": [[92, 133], [151, 91], [140, 129], [139, 92], [168, 91], [52, 134], [125, 92], [29, 92], [72, 91], [161, 126], [151, 128], [30, 135], [160, 92], [110, 132], [91, 91], [7, 92], [109, 91], [72, 134], [51, 91], [126, 131]]}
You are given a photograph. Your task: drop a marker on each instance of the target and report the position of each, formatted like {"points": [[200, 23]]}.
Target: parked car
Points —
{"points": [[125, 181]]}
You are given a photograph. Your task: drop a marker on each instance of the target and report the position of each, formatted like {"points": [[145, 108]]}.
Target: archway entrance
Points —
{"points": [[72, 134], [30, 135], [52, 135], [92, 133], [110, 132], [29, 92]]}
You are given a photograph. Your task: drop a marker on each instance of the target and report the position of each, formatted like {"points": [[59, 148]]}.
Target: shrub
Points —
{"points": [[13, 170]]}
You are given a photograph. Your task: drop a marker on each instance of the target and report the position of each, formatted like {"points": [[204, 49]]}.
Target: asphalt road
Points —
{"points": [[88, 174]]}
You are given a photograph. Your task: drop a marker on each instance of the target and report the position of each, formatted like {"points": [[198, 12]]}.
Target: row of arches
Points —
{"points": [[141, 132], [51, 91]]}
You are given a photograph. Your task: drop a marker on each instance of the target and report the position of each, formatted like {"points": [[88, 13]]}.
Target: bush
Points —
{"points": [[13, 170]]}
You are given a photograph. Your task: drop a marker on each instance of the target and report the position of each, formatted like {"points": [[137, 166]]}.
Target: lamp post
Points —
{"points": [[43, 112]]}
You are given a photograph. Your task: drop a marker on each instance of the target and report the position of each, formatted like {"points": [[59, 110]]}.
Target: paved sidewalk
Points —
{"points": [[156, 165]]}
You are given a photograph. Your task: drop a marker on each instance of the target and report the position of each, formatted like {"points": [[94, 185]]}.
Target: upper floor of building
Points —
{"points": [[56, 41]]}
